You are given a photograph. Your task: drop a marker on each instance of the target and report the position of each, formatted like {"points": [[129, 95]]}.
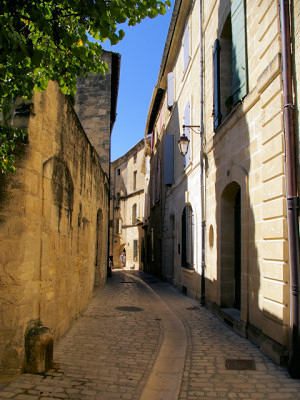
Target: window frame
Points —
{"points": [[134, 214], [134, 183], [239, 64]]}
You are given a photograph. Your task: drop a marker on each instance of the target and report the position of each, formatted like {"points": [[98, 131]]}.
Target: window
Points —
{"points": [[134, 180], [135, 250], [230, 63], [134, 215], [186, 47], [153, 187], [187, 255], [158, 182], [170, 89], [168, 159], [117, 227], [135, 158], [118, 172], [217, 99]]}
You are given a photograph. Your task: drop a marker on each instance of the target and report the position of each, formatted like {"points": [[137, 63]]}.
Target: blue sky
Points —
{"points": [[141, 51]]}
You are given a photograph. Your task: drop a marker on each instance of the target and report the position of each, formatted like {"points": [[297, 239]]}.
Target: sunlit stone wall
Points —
{"points": [[50, 239]]}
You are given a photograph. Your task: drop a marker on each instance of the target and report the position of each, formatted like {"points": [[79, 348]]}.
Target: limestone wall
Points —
{"points": [[53, 226], [248, 150], [246, 243]]}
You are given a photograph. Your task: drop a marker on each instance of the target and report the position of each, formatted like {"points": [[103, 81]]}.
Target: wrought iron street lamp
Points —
{"points": [[183, 142]]}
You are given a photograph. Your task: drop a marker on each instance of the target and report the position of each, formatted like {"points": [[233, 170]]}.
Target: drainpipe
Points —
{"points": [[291, 188], [202, 169]]}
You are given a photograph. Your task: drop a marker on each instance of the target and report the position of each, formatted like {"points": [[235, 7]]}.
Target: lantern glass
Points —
{"points": [[183, 144]]}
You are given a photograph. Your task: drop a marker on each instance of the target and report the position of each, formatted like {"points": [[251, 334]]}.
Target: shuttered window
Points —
{"points": [[134, 215], [236, 73], [168, 159], [135, 250], [239, 68], [170, 90], [153, 187], [158, 181], [134, 180], [217, 93]]}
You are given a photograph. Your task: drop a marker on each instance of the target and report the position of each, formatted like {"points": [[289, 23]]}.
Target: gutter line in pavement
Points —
{"points": [[164, 380]]}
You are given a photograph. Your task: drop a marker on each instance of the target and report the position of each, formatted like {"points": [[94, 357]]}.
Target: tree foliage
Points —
{"points": [[58, 40]]}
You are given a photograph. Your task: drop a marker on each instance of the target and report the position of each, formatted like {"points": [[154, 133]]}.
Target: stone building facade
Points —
{"points": [[127, 207], [96, 106], [54, 215], [174, 184], [223, 236]]}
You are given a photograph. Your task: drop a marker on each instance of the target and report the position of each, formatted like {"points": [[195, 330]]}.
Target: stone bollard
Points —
{"points": [[38, 348]]}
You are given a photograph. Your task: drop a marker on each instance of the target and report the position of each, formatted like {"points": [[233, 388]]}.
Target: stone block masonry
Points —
{"points": [[53, 226], [95, 105]]}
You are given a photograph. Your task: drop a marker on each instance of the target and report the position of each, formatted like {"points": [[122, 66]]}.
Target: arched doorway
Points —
{"points": [[231, 246], [99, 249]]}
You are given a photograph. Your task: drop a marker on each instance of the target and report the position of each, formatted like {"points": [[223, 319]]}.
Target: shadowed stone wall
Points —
{"points": [[95, 105]]}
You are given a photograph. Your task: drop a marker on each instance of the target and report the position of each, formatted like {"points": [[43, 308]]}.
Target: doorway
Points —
{"points": [[231, 246], [99, 249]]}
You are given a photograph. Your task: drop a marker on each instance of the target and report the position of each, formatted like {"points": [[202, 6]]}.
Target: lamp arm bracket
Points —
{"points": [[191, 127]]}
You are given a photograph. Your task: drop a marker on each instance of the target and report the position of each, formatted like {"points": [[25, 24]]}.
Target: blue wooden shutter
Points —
{"points": [[217, 98], [158, 181], [187, 121], [239, 70], [170, 89], [135, 249], [168, 160]]}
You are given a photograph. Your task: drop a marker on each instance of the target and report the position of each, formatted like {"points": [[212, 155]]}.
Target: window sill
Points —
{"points": [[188, 270], [229, 115]]}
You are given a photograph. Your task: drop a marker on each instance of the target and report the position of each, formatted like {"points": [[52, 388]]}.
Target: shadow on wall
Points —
{"points": [[238, 273], [164, 252], [237, 287]]}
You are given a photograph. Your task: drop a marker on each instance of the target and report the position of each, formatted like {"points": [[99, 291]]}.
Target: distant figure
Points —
{"points": [[123, 259], [111, 261]]}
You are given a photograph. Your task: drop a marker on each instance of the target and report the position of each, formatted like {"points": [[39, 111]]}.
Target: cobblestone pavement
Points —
{"points": [[118, 349]]}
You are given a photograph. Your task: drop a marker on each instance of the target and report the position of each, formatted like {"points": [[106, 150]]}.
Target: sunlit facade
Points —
{"points": [[219, 213]]}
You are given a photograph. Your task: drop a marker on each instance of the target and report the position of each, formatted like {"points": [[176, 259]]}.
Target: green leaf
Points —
{"points": [[47, 40]]}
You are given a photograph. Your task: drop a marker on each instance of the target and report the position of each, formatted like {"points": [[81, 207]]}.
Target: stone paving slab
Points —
{"points": [[107, 354], [210, 343], [124, 341]]}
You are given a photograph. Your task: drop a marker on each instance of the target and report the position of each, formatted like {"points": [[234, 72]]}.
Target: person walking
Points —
{"points": [[123, 259]]}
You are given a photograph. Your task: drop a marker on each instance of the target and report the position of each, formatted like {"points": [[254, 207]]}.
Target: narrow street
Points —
{"points": [[139, 338]]}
